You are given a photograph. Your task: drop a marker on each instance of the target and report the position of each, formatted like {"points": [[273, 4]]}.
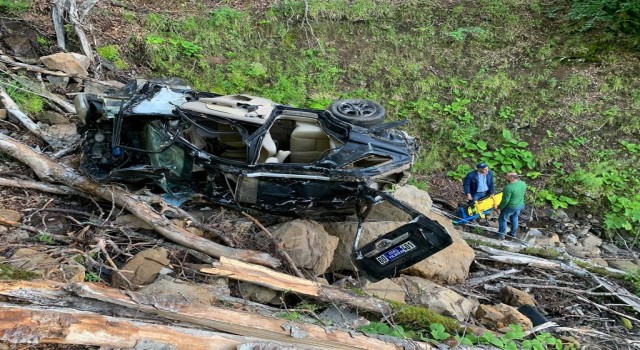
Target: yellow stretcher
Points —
{"points": [[479, 208]]}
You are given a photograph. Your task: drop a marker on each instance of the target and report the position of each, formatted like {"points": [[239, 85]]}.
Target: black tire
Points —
{"points": [[533, 314], [359, 112]]}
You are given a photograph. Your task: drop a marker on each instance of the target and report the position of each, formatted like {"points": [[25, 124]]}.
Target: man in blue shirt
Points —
{"points": [[479, 183]]}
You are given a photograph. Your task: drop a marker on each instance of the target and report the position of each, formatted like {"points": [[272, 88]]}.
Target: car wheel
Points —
{"points": [[359, 112]]}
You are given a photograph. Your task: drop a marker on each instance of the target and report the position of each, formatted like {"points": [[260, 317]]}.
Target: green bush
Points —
{"points": [[15, 7], [614, 15]]}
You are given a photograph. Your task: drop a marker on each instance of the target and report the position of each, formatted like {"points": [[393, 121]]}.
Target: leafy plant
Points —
{"points": [[44, 238], [111, 53], [557, 201], [91, 277], [460, 171]]}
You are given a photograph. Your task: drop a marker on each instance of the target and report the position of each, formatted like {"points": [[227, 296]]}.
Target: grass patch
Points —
{"points": [[14, 7], [111, 53], [9, 272]]}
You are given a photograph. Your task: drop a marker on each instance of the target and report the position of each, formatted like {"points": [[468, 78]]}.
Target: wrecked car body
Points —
{"points": [[243, 151]]}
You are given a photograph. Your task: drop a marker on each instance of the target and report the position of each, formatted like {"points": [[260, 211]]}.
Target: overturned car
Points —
{"points": [[243, 151]]}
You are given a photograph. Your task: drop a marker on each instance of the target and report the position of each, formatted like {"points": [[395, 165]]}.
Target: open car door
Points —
{"points": [[401, 248]]}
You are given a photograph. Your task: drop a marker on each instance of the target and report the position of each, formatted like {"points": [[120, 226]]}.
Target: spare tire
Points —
{"points": [[359, 112]]}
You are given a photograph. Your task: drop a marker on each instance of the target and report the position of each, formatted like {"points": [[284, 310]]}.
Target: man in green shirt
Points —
{"points": [[511, 205]]}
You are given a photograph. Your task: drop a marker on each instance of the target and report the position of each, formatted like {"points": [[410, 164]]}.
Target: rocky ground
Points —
{"points": [[69, 248]]}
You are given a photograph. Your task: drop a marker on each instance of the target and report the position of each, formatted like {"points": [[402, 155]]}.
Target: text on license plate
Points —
{"points": [[394, 253]]}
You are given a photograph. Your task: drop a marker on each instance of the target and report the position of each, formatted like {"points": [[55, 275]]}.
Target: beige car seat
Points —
{"points": [[308, 142]]}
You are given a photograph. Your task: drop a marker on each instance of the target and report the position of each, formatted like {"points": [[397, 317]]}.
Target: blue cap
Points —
{"points": [[482, 165]]}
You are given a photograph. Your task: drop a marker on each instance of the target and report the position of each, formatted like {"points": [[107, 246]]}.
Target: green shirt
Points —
{"points": [[513, 195]]}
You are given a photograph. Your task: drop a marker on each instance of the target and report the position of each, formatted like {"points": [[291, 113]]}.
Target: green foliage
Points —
{"points": [[615, 15], [28, 102], [8, 272], [384, 329], [460, 172], [624, 212], [556, 201], [291, 315], [44, 238], [510, 155], [91, 277], [111, 53], [14, 7], [461, 33]]}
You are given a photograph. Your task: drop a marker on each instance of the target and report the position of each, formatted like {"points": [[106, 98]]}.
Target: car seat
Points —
{"points": [[308, 142]]}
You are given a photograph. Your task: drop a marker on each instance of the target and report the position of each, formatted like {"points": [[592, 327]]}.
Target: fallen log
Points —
{"points": [[94, 296], [51, 171], [282, 282], [21, 324]]}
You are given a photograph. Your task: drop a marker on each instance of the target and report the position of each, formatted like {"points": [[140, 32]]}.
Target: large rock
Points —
{"points": [[500, 316], [308, 244], [449, 266], [142, 269], [40, 263], [438, 299], [74, 64], [411, 195], [516, 297], [385, 289], [178, 291]]}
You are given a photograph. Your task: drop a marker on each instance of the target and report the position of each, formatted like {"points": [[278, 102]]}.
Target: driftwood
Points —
{"points": [[12, 108], [279, 281], [96, 297], [23, 325], [51, 171]]}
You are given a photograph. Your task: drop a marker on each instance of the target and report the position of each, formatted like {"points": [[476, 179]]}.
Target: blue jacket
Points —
{"points": [[470, 183]]}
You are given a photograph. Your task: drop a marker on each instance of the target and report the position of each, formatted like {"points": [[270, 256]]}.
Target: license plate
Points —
{"points": [[392, 254]]}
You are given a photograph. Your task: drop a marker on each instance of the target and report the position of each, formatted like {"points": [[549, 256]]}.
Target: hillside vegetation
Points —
{"points": [[545, 88]]}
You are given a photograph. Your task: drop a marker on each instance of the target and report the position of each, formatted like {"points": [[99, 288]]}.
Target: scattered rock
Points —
{"points": [[142, 269], [385, 289], [179, 291], [20, 45], [10, 215], [501, 316], [254, 292], [343, 316], [51, 118], [591, 242], [624, 264], [308, 244], [516, 297], [13, 236], [92, 87], [411, 195], [3, 114], [71, 63], [63, 131], [570, 239], [439, 299], [61, 82], [131, 221], [599, 261]]}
